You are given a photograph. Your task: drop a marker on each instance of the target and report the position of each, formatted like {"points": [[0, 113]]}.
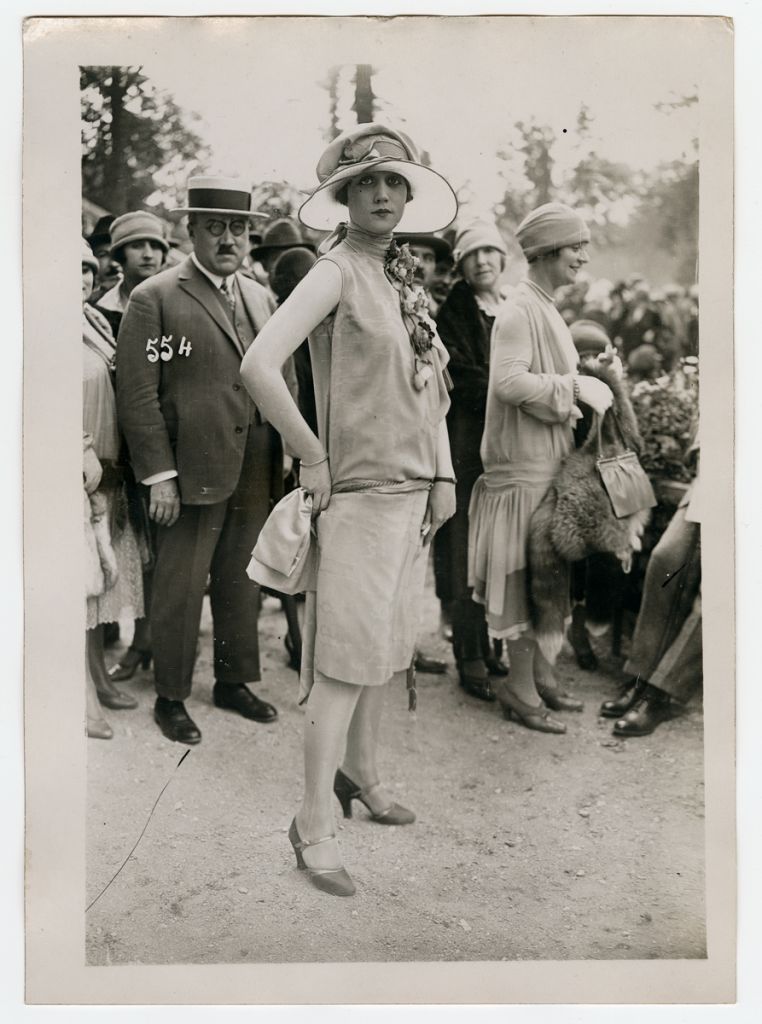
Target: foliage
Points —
{"points": [[135, 140], [667, 414]]}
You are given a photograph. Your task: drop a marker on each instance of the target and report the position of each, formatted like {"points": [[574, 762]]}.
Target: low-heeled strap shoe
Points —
{"points": [[477, 686], [559, 700], [242, 700], [432, 666], [651, 709], [631, 691], [537, 718], [175, 722], [116, 699]]}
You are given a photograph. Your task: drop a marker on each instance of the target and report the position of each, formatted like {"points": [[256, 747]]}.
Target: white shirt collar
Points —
{"points": [[112, 300], [214, 278]]}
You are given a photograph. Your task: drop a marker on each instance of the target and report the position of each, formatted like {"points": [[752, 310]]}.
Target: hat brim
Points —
{"points": [[141, 236], [432, 207], [440, 248], [263, 251], [228, 213]]}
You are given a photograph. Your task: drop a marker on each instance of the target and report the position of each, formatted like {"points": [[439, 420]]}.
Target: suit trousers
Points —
{"points": [[213, 543], [666, 646]]}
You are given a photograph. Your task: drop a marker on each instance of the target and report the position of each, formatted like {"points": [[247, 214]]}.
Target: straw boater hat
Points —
{"points": [[433, 205], [228, 196]]}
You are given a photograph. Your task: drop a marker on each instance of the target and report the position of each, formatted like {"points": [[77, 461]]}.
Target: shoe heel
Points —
{"points": [[345, 791], [293, 838], [346, 805]]}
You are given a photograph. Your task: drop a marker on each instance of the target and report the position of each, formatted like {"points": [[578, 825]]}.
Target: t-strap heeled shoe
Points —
{"points": [[347, 791], [335, 881]]}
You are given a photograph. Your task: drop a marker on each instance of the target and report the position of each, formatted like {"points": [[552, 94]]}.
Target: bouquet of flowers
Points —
{"points": [[667, 414], [400, 266]]}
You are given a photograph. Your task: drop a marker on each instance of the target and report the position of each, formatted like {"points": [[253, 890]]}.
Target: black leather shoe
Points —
{"points": [[242, 700], [649, 711], [432, 666], [477, 687], [496, 667], [175, 722], [631, 691]]}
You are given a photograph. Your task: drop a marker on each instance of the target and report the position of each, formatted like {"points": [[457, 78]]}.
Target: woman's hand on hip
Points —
{"points": [[316, 480], [440, 508], [595, 393]]}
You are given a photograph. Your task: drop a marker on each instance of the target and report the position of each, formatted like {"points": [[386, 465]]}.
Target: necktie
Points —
{"points": [[229, 297]]}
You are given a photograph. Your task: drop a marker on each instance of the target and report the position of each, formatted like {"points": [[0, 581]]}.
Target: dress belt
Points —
{"points": [[357, 484]]}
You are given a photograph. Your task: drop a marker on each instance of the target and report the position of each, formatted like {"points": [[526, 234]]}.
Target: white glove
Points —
{"points": [[595, 393]]}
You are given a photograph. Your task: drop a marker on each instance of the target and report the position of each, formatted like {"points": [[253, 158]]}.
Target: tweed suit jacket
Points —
{"points": [[180, 400]]}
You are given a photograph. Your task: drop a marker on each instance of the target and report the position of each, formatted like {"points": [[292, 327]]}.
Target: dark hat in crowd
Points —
{"points": [[214, 194], [589, 337], [644, 359], [282, 234], [289, 269], [137, 227], [441, 248], [102, 230]]}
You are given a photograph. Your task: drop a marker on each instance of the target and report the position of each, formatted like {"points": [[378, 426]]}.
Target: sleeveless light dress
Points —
{"points": [[380, 433]]}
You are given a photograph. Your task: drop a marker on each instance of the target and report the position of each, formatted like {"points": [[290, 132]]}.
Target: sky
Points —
{"points": [[456, 86]]}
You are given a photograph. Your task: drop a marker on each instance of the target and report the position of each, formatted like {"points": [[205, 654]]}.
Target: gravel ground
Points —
{"points": [[527, 846]]}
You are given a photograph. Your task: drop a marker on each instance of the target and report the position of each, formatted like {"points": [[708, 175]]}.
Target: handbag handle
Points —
{"points": [[599, 425]]}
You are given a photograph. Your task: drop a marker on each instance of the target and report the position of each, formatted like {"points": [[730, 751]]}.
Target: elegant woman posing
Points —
{"points": [[379, 471], [531, 410]]}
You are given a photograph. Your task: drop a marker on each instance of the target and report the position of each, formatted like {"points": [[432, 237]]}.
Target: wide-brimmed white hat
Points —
{"points": [[433, 205], [209, 194]]}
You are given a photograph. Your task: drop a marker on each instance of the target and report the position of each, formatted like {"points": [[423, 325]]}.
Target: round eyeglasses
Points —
{"points": [[216, 228]]}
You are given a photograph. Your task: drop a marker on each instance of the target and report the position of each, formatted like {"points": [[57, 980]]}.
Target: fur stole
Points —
{"points": [[575, 518]]}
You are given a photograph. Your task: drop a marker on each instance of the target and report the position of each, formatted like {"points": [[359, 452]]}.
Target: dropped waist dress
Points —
{"points": [[380, 433]]}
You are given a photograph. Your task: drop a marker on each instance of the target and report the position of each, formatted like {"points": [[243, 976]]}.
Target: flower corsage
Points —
{"points": [[400, 266]]}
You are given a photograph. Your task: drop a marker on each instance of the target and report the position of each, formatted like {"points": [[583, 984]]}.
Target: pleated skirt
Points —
{"points": [[362, 621], [502, 505]]}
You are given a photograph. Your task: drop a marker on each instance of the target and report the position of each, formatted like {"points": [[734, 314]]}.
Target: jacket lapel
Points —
{"points": [[257, 309], [201, 288]]}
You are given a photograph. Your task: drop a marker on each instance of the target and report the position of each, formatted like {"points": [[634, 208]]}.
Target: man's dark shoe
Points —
{"points": [[175, 722], [649, 711], [477, 686], [496, 666], [432, 666], [631, 691], [242, 700]]}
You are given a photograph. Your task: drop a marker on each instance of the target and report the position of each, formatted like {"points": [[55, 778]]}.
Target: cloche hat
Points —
{"points": [[137, 227], [480, 234], [212, 194], [88, 258], [361, 149]]}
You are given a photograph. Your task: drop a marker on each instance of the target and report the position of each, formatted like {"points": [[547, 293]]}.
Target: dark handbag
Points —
{"points": [[624, 480]]}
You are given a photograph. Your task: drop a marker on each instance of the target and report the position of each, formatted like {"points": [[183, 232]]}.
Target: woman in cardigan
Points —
{"points": [[531, 410], [379, 471], [464, 323]]}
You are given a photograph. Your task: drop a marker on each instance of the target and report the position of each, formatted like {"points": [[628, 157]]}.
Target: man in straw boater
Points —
{"points": [[198, 442]]}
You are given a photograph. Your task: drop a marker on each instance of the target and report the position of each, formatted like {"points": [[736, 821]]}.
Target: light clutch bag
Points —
{"points": [[284, 557], [624, 479]]}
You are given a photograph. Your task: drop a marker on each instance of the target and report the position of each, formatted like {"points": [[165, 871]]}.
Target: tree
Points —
{"points": [[363, 105], [135, 140]]}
